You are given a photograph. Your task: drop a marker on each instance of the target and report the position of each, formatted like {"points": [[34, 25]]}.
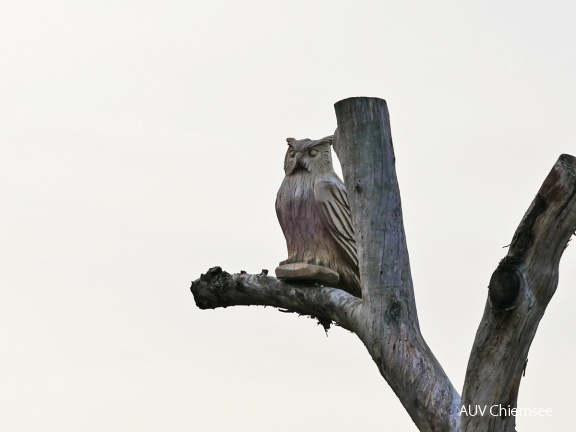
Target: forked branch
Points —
{"points": [[385, 319]]}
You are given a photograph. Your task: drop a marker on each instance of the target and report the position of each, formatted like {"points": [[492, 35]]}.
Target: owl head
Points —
{"points": [[308, 156]]}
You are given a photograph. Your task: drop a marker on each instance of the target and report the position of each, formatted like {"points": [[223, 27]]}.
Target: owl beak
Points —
{"points": [[298, 161], [298, 165]]}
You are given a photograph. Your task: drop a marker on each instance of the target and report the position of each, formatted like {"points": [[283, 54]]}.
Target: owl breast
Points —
{"points": [[301, 219]]}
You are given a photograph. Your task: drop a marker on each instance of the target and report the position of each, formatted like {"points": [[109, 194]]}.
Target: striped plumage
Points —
{"points": [[312, 207]]}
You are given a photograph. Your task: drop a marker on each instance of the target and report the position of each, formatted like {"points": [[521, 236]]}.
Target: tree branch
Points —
{"points": [[519, 292], [217, 289], [385, 319], [390, 329]]}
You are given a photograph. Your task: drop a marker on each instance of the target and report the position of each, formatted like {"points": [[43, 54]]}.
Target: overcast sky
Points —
{"points": [[142, 143]]}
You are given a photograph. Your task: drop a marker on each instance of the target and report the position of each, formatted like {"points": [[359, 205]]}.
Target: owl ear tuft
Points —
{"points": [[326, 140], [290, 141]]}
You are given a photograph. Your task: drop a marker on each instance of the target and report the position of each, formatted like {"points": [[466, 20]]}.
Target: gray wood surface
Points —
{"points": [[385, 318]]}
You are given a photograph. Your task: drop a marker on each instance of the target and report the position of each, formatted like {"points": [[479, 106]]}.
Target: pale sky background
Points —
{"points": [[142, 143]]}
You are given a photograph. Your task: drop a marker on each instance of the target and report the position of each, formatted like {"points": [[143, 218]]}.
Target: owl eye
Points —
{"points": [[292, 153], [313, 152]]}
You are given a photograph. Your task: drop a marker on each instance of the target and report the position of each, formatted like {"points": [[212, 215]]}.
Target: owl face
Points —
{"points": [[308, 156]]}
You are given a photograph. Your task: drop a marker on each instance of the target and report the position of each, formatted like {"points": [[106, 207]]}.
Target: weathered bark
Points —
{"points": [[389, 328], [217, 289], [519, 291], [385, 319]]}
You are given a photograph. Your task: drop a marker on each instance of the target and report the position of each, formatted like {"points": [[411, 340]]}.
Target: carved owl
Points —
{"points": [[313, 211]]}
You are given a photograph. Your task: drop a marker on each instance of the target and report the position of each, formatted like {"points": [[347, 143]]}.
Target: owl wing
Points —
{"points": [[333, 202]]}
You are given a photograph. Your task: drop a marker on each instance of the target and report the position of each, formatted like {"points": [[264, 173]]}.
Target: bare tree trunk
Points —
{"points": [[519, 291], [389, 322], [385, 319]]}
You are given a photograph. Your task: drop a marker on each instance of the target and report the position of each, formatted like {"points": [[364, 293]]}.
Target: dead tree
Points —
{"points": [[385, 319]]}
